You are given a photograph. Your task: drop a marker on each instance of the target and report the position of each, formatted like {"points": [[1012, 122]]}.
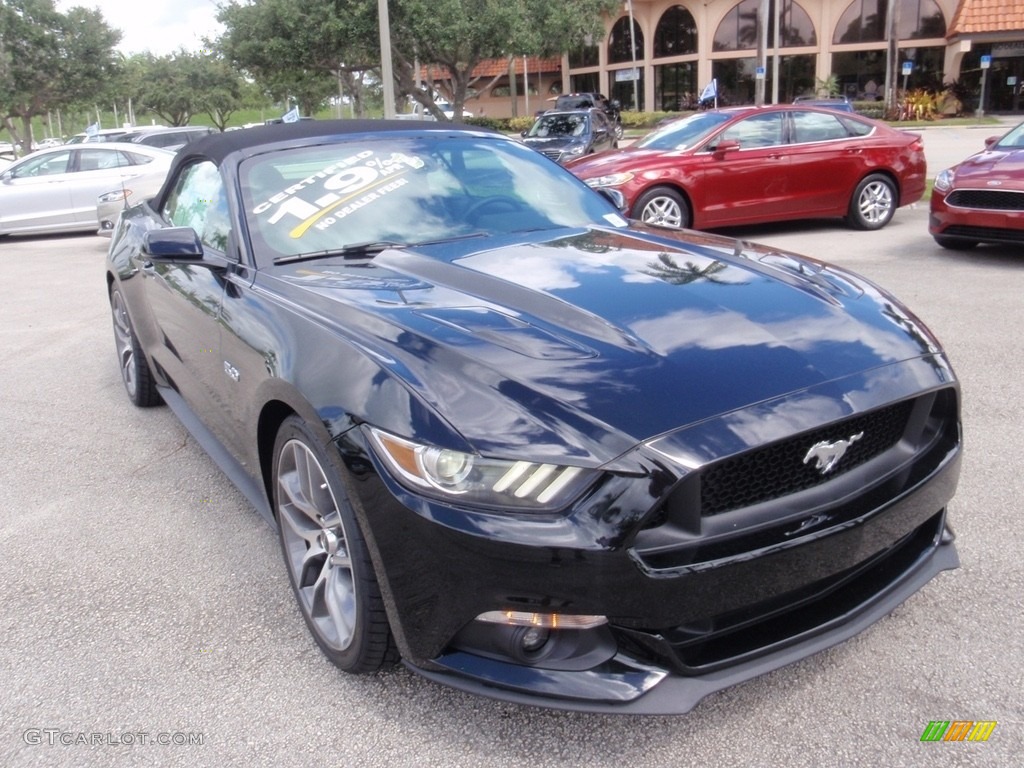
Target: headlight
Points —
{"points": [[575, 149], [477, 481], [944, 180], [116, 196], [612, 180]]}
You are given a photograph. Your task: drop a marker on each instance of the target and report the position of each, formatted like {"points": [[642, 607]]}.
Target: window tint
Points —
{"points": [[198, 201], [44, 165], [756, 131], [101, 159], [814, 126], [138, 159]]}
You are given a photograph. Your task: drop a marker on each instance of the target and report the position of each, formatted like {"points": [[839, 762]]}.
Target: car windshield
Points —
{"points": [[684, 133], [559, 125], [1013, 140], [408, 191]]}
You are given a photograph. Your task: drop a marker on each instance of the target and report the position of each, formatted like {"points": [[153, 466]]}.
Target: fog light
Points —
{"points": [[533, 639]]}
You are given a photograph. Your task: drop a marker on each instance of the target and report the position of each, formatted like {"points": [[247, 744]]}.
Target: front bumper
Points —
{"points": [[627, 686], [975, 224]]}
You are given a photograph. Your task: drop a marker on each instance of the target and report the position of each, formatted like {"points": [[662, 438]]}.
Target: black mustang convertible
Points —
{"points": [[530, 448]]}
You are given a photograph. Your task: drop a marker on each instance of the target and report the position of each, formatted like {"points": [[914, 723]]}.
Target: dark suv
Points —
{"points": [[571, 101]]}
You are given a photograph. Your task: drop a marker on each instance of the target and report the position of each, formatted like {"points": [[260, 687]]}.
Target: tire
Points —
{"points": [[663, 207], [328, 563], [873, 203], [955, 243], [135, 372]]}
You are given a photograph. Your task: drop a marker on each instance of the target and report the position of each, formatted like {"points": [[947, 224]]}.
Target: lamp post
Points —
{"points": [[632, 50], [386, 74]]}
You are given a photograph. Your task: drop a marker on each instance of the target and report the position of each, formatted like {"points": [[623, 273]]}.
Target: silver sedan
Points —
{"points": [[55, 190]]}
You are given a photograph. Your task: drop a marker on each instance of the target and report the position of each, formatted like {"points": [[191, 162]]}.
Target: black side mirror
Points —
{"points": [[173, 245]]}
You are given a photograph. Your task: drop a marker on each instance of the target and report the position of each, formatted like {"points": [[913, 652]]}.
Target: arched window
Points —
{"points": [[619, 40], [738, 30], [676, 34], [864, 21]]}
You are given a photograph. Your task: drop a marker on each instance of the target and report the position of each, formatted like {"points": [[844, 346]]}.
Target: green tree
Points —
{"points": [[50, 60], [277, 40]]}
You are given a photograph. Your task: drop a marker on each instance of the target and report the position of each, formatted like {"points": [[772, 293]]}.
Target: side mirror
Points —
{"points": [[173, 245], [991, 140], [724, 147], [523, 133], [616, 104]]}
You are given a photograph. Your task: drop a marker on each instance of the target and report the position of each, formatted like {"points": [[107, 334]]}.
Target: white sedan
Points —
{"points": [[55, 190]]}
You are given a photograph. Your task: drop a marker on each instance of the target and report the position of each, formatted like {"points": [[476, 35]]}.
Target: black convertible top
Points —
{"points": [[218, 146]]}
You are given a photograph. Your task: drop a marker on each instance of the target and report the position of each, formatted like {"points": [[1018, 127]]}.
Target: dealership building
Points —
{"points": [[659, 55]]}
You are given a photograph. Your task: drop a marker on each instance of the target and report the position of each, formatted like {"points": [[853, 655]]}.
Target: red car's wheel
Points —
{"points": [[663, 207]]}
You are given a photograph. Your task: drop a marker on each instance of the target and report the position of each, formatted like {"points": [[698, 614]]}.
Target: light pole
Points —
{"points": [[386, 74], [632, 50]]}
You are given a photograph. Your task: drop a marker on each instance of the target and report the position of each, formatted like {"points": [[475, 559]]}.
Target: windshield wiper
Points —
{"points": [[353, 251]]}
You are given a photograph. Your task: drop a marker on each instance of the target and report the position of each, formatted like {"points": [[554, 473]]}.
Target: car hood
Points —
{"points": [[585, 344], [992, 165], [613, 161], [554, 142]]}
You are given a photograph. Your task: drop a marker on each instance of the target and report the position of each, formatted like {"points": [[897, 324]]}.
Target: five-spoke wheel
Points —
{"points": [[326, 556]]}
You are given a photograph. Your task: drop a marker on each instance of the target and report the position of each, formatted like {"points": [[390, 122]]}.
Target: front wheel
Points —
{"points": [[325, 553], [135, 372], [873, 203], [662, 207]]}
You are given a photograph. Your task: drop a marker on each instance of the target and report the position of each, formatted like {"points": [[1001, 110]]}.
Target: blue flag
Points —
{"points": [[291, 116], [710, 90]]}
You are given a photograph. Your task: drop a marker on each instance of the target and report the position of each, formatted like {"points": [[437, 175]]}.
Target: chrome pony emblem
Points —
{"points": [[827, 455]]}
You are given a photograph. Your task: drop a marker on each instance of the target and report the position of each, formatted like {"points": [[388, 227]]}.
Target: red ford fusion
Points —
{"points": [[981, 200], [749, 165]]}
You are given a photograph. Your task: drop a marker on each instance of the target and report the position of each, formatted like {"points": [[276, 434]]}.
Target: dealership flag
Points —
{"points": [[92, 130], [291, 116], [710, 91]]}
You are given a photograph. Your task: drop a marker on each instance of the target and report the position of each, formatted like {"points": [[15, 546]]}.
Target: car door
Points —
{"points": [[34, 193], [185, 299], [747, 182], [826, 163], [97, 169], [604, 136]]}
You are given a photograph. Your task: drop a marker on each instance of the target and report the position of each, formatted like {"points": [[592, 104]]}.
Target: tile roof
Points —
{"points": [[976, 16]]}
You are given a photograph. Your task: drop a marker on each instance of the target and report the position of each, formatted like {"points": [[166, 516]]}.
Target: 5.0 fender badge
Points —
{"points": [[827, 454]]}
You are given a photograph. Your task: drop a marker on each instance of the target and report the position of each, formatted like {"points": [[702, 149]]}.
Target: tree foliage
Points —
{"points": [[277, 41], [50, 60]]}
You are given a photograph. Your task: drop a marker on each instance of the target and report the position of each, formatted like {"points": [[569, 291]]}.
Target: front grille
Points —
{"points": [[554, 154], [987, 199], [779, 469]]}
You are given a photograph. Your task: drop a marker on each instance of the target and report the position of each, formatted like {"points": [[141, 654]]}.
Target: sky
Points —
{"points": [[157, 26]]}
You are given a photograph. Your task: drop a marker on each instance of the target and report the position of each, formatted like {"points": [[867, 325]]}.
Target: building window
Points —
{"points": [[619, 40], [864, 21], [738, 30], [676, 34], [675, 87], [586, 55]]}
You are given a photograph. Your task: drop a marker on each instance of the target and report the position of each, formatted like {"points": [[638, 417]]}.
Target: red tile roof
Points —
{"points": [[976, 16]]}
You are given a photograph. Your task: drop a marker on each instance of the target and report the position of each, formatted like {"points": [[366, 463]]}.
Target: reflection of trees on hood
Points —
{"points": [[668, 270]]}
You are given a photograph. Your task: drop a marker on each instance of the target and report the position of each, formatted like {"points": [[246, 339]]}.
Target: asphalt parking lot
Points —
{"points": [[145, 601]]}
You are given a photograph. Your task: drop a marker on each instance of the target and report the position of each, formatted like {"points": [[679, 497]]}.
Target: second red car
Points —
{"points": [[749, 165]]}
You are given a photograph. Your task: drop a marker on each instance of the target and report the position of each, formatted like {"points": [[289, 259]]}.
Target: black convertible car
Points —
{"points": [[532, 449]]}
